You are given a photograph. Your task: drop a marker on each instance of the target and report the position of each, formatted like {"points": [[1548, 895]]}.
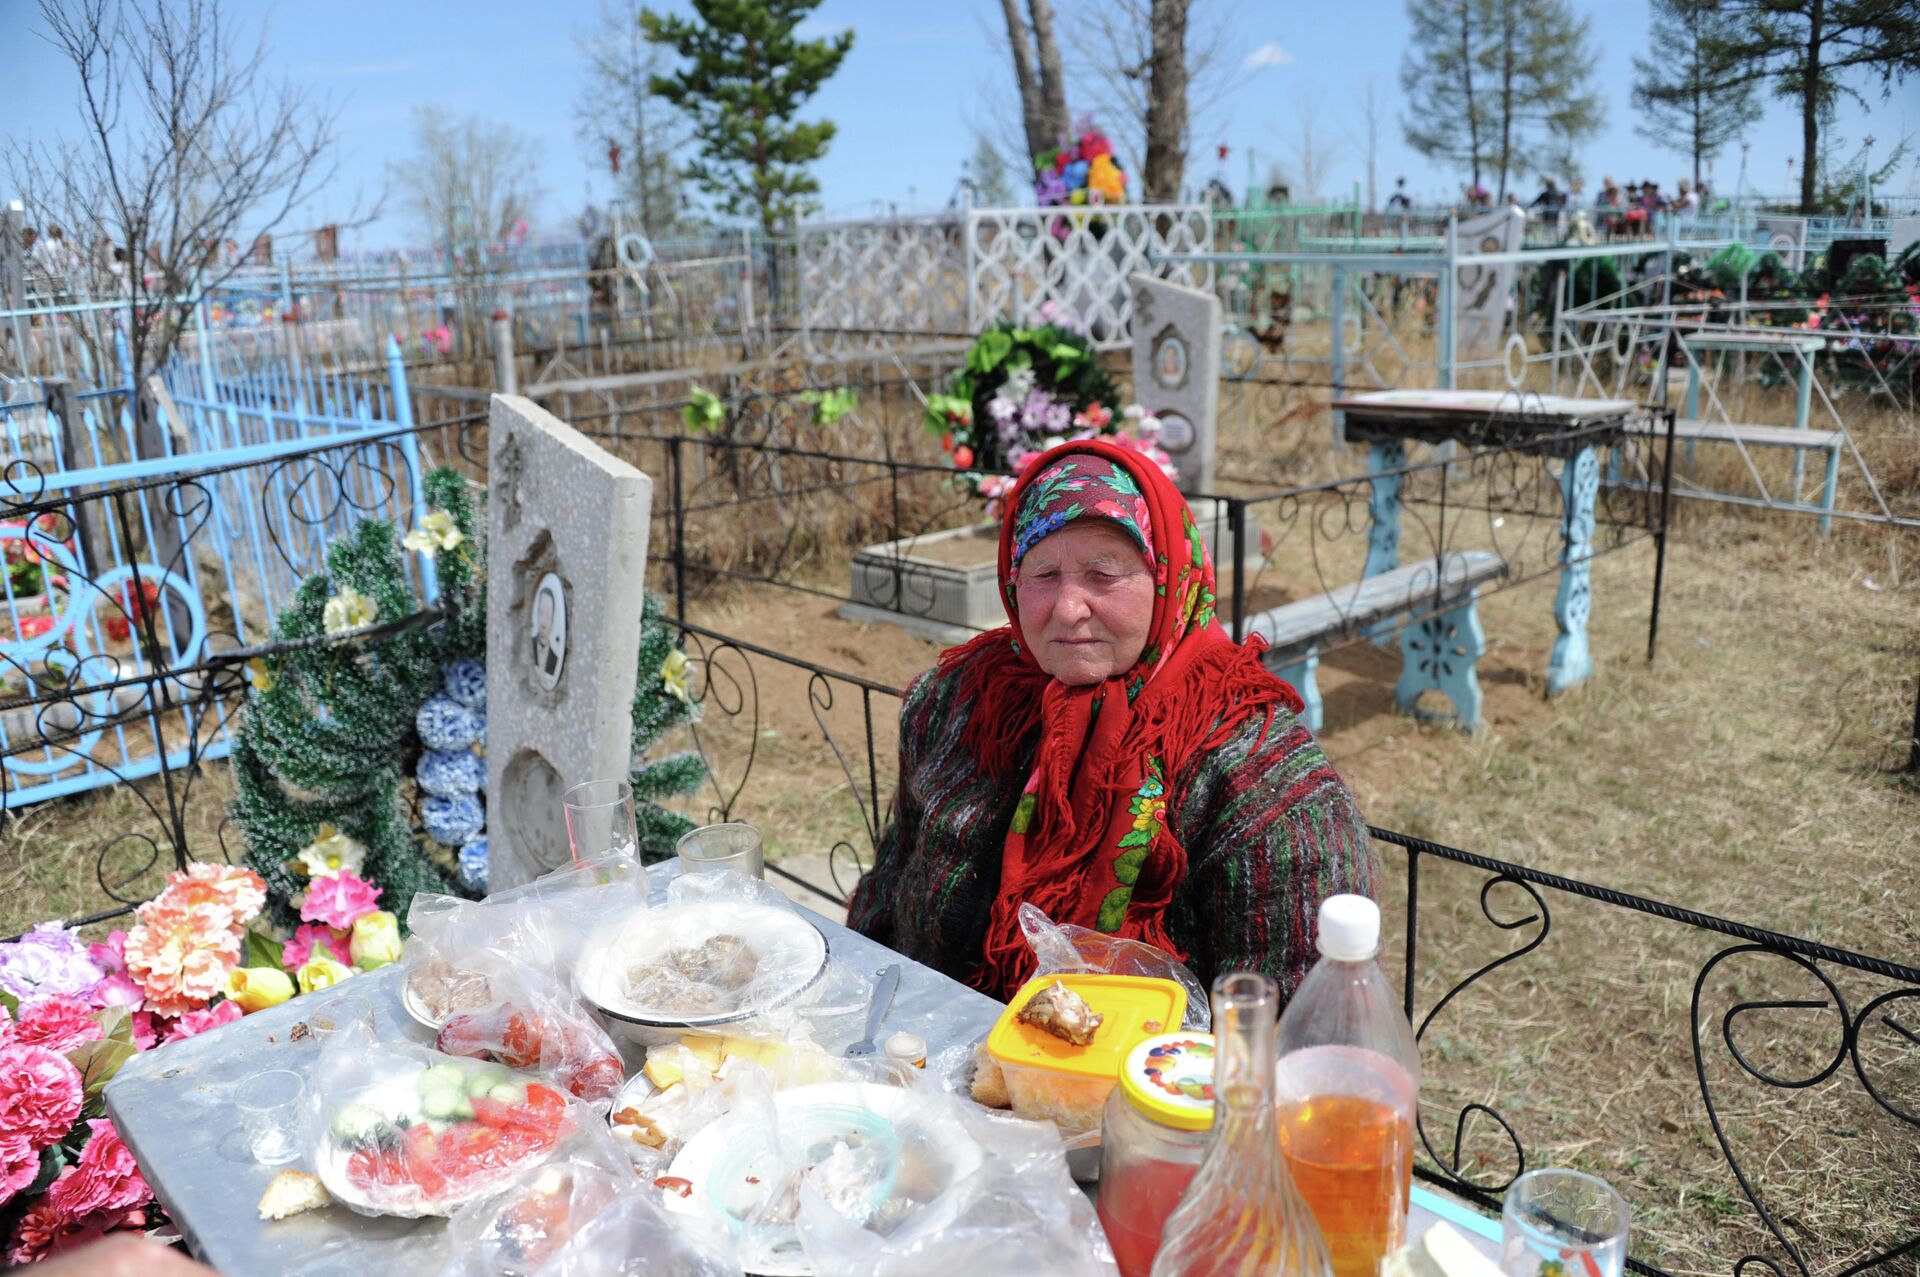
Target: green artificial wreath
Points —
{"points": [[1063, 365]]}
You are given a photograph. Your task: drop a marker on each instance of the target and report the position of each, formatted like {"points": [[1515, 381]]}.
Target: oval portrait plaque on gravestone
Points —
{"points": [[549, 649], [1170, 361], [1176, 432]]}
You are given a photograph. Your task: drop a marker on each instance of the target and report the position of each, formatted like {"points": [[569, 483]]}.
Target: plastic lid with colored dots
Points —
{"points": [[1169, 1078]]}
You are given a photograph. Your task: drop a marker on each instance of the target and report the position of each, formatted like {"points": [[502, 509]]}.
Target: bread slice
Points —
{"points": [[292, 1192]]}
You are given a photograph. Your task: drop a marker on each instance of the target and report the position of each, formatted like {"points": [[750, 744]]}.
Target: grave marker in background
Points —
{"points": [[1176, 371], [566, 569]]}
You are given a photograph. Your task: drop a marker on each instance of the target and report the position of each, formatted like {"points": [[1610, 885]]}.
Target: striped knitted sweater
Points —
{"points": [[1269, 828]]}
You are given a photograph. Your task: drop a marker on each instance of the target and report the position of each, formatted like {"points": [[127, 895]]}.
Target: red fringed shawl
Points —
{"points": [[1089, 842]]}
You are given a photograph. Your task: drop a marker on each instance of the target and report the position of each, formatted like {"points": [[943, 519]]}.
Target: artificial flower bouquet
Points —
{"points": [[1081, 170], [71, 1013], [1024, 389]]}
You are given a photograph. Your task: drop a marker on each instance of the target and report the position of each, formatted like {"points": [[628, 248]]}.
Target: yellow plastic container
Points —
{"points": [[1051, 1079]]}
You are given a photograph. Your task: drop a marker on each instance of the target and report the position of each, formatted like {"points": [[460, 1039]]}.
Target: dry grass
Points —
{"points": [[1745, 773]]}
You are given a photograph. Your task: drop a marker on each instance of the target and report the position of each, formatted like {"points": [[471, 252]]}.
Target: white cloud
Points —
{"points": [[1270, 54]]}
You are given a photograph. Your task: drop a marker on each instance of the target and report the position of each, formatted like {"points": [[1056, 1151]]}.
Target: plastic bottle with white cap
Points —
{"points": [[1348, 1075]]}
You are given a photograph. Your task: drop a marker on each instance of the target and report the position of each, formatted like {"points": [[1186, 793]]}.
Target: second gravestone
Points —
{"points": [[566, 566], [1176, 372]]}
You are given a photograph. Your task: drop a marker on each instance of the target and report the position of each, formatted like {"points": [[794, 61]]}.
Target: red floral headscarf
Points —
{"points": [[1089, 841]]}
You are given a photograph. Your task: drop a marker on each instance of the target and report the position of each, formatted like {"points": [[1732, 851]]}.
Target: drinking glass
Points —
{"points": [[338, 1013], [270, 1108], [600, 820], [1576, 1223], [714, 848]]}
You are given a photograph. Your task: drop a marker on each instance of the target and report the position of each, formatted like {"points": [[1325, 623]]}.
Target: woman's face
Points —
{"points": [[1086, 602]]}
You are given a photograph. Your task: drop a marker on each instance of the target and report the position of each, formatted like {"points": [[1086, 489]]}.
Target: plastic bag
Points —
{"points": [[397, 1129], [724, 954], [1064, 948], [460, 949], [537, 1027], [970, 1192], [584, 1214]]}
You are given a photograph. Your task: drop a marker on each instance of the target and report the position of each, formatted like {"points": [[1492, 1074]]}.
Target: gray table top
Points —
{"points": [[173, 1106]]}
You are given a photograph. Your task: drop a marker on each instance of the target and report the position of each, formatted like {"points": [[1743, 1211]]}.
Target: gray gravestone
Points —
{"points": [[1176, 371], [566, 566]]}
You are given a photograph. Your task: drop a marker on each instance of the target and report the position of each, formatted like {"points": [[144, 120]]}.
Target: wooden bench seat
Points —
{"points": [[1691, 431], [1438, 651]]}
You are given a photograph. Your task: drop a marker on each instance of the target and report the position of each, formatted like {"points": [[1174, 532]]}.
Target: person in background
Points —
{"points": [[1607, 206], [1550, 200], [1398, 202], [1687, 207], [1111, 756]]}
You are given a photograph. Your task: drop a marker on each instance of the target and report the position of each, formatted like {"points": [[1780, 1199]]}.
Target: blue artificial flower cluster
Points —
{"points": [[453, 726]]}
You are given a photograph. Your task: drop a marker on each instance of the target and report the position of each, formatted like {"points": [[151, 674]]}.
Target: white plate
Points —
{"points": [[644, 935], [399, 1095], [740, 1134], [414, 1007]]}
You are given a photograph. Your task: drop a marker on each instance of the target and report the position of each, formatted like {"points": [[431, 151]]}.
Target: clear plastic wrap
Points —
{"points": [[534, 1025], [1064, 948], [969, 1192], [460, 949], [584, 1214], [725, 952], [397, 1129]]}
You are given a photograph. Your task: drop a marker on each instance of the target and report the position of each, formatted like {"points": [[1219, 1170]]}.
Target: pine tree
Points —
{"points": [[1683, 108], [1538, 64], [988, 171], [1805, 48], [328, 734], [747, 75], [1448, 108]]}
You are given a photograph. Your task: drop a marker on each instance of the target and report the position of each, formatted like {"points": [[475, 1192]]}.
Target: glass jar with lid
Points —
{"points": [[1153, 1138]]}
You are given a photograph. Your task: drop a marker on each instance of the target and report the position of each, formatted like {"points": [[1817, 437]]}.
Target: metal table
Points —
{"points": [[1388, 419], [173, 1108]]}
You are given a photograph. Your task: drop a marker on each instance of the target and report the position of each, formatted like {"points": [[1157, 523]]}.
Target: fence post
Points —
{"points": [[76, 453], [746, 281], [506, 380], [410, 454], [1443, 321]]}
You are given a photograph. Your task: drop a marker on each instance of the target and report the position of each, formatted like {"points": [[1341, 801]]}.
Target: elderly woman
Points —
{"points": [[1110, 755]]}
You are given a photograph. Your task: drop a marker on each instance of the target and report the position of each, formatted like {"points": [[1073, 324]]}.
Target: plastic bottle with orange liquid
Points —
{"points": [[1347, 1078]]}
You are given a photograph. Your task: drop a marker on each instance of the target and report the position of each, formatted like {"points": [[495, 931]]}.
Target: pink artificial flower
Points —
{"points": [[116, 988], [110, 955], [297, 952], [106, 1178], [200, 1021], [40, 1095], [19, 1166], [338, 899], [45, 1231], [147, 1028], [60, 1023], [181, 954]]}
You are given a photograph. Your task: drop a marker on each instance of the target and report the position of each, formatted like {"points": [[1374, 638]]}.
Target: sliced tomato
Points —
{"points": [[494, 1113]]}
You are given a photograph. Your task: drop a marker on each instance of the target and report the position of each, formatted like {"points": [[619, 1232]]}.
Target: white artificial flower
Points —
{"points": [[331, 852], [348, 610], [435, 533]]}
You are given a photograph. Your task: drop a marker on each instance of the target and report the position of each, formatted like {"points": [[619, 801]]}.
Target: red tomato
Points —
{"points": [[962, 457], [494, 1113]]}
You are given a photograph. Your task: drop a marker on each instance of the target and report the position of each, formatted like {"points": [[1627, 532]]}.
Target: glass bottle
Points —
{"points": [[1155, 1134], [1242, 1216], [1348, 1075]]}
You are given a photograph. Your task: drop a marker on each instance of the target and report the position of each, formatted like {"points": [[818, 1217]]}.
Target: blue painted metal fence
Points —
{"points": [[120, 569]]}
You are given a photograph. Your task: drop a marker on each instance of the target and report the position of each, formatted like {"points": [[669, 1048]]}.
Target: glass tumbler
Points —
{"points": [[714, 848], [1558, 1223], [600, 820], [270, 1108]]}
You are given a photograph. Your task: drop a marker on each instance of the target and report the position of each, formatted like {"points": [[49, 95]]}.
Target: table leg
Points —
{"points": [[1572, 660], [1827, 489], [1802, 411], [1693, 399], [1383, 516]]}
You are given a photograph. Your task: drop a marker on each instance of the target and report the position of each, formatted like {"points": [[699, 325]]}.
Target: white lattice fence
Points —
{"points": [[1079, 259], [905, 275]]}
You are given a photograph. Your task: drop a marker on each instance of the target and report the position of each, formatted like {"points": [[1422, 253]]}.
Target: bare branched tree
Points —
{"points": [[1038, 73], [187, 150], [470, 184], [1370, 119], [638, 135], [1113, 46], [1311, 154]]}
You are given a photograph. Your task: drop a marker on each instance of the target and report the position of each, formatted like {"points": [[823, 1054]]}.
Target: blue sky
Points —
{"points": [[921, 75]]}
